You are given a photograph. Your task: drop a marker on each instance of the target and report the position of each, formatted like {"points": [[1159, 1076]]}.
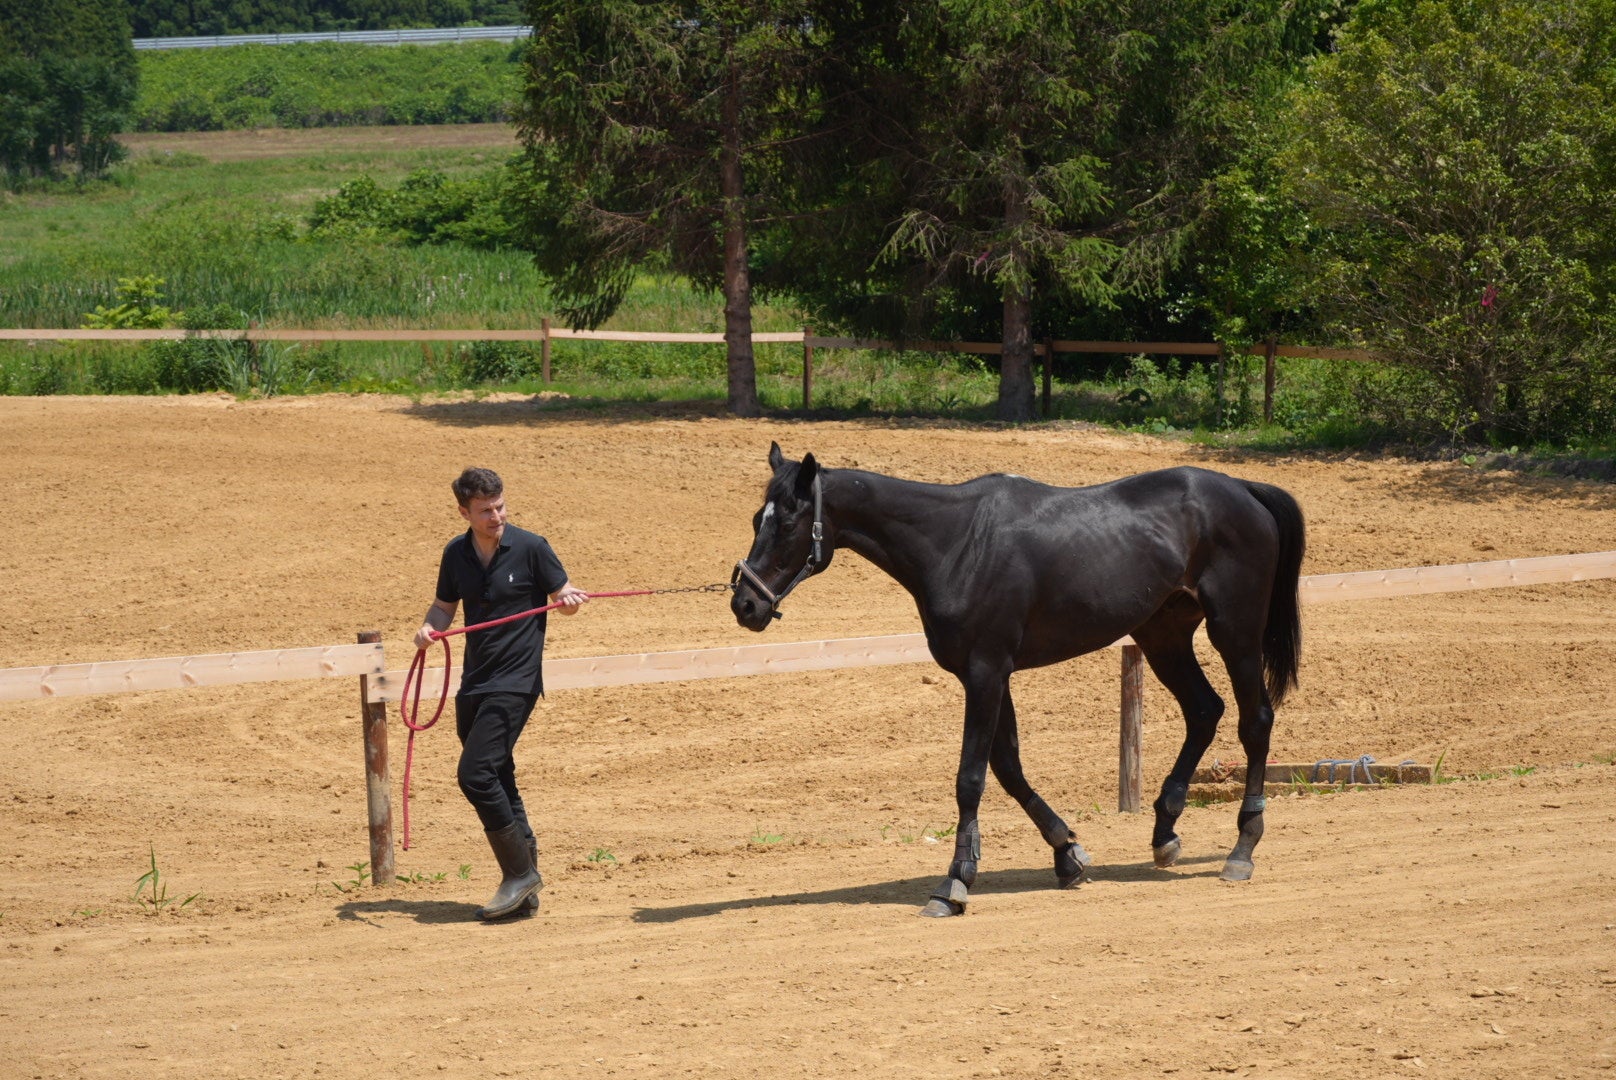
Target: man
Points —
{"points": [[498, 569]]}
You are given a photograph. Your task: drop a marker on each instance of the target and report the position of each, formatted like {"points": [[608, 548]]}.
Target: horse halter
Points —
{"points": [[812, 566]]}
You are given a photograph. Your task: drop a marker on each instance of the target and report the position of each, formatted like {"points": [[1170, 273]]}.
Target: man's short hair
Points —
{"points": [[477, 484]]}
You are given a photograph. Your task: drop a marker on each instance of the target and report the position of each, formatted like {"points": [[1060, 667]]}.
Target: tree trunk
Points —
{"points": [[1017, 399], [743, 399]]}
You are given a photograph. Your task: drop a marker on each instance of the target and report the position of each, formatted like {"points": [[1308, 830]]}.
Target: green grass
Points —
{"points": [[151, 891]]}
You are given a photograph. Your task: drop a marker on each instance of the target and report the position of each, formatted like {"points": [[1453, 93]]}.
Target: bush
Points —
{"points": [[428, 207]]}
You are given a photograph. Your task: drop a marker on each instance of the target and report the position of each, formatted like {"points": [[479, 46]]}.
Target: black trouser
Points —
{"points": [[489, 725]]}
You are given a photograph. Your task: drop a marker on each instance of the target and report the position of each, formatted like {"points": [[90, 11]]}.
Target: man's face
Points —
{"points": [[487, 517]]}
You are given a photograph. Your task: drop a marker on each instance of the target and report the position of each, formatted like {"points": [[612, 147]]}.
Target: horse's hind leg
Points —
{"points": [[1070, 859], [1256, 724], [1167, 642]]}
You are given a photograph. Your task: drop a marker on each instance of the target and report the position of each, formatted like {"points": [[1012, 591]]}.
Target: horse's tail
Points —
{"points": [[1282, 640]]}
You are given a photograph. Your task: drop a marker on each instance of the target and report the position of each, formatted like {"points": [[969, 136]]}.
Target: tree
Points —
{"points": [[67, 79], [1053, 151], [1460, 156], [658, 130]]}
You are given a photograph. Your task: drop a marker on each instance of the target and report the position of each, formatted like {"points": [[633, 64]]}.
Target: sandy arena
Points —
{"points": [[734, 866]]}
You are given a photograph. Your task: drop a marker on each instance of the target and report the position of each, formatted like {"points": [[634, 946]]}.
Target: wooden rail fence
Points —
{"points": [[546, 333], [379, 686]]}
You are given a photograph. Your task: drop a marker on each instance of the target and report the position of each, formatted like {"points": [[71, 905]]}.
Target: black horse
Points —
{"points": [[1009, 573]]}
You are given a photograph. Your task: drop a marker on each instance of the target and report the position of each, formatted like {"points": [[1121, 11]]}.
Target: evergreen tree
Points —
{"points": [[1058, 151], [67, 79], [661, 130]]}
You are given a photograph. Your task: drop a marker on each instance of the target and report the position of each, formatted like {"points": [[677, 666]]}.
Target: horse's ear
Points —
{"points": [[805, 477], [776, 458]]}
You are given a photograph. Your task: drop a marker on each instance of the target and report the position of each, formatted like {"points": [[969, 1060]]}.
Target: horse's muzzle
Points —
{"points": [[754, 604]]}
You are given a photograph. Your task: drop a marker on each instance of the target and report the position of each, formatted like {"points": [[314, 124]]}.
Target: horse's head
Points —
{"points": [[790, 541]]}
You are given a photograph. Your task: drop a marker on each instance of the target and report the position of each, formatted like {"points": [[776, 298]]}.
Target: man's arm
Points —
{"points": [[439, 617], [571, 596]]}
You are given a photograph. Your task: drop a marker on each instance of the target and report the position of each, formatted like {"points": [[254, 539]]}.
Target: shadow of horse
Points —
{"points": [[901, 893], [422, 911]]}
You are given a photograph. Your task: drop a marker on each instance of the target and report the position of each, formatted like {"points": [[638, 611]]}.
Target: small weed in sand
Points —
{"points": [[152, 892]]}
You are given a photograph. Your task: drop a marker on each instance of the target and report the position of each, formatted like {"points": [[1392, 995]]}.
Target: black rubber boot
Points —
{"points": [[530, 906], [521, 878]]}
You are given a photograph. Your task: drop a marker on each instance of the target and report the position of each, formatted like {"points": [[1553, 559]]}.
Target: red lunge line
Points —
{"points": [[409, 710]]}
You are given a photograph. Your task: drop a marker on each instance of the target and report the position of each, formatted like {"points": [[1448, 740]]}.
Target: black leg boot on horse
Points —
{"points": [[520, 879]]}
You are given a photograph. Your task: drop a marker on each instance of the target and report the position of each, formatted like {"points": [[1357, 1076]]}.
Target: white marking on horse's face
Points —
{"points": [[768, 512]]}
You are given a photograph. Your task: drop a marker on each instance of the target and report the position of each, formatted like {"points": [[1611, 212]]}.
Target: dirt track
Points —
{"points": [[759, 917]]}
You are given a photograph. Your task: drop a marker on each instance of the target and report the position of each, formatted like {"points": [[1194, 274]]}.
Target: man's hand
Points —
{"points": [[439, 617], [571, 597]]}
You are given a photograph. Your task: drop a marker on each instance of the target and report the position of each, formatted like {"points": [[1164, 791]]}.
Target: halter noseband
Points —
{"points": [[812, 566]]}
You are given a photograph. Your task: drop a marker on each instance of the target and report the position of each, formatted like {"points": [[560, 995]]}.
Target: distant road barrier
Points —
{"points": [[438, 36]]}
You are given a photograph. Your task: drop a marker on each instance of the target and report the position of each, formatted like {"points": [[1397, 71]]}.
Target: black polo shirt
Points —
{"points": [[521, 576]]}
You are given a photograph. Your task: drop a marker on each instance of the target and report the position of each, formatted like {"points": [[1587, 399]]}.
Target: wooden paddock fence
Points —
{"points": [[1046, 350], [377, 685]]}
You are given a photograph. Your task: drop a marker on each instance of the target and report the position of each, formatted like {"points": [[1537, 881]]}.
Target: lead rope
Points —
{"points": [[409, 711]]}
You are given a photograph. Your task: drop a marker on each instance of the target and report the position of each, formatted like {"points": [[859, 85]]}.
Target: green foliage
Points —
{"points": [[67, 78], [324, 84], [1459, 158], [361, 874], [137, 307], [662, 131], [427, 207], [152, 892], [1040, 152]]}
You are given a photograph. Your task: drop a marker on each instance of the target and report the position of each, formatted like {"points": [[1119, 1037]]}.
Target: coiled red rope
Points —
{"points": [[410, 710]]}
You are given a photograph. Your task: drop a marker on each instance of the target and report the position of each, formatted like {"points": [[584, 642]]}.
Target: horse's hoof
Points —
{"points": [[948, 898], [1167, 854], [1236, 870], [1071, 865]]}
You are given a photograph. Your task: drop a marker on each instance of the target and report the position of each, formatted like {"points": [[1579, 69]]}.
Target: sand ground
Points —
{"points": [[734, 866]]}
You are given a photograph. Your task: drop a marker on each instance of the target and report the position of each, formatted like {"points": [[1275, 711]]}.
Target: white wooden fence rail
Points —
{"points": [[115, 676]]}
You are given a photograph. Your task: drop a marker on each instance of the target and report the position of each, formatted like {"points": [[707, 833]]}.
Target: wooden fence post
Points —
{"points": [[378, 797], [1218, 412], [1049, 362], [1133, 713], [1269, 349], [807, 369], [544, 349]]}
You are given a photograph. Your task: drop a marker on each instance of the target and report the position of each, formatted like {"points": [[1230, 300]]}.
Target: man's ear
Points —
{"points": [[776, 458], [805, 478]]}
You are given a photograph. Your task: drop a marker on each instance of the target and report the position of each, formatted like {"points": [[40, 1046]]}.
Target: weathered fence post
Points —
{"points": [[1218, 389], [807, 368], [544, 349], [1049, 362], [1269, 350], [378, 798], [1133, 713]]}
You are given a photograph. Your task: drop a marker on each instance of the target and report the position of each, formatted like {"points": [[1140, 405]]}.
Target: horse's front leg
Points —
{"points": [[1071, 861], [984, 692]]}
